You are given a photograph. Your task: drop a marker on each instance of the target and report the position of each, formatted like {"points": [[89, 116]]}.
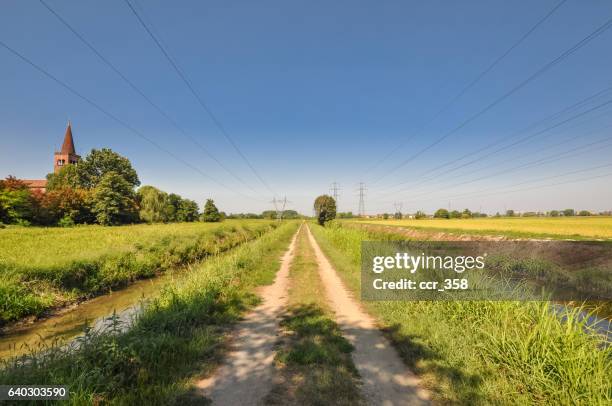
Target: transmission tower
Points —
{"points": [[398, 207], [279, 207], [334, 189], [362, 190]]}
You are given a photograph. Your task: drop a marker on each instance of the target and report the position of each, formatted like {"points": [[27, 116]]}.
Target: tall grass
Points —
{"points": [[44, 268], [484, 352], [177, 338]]}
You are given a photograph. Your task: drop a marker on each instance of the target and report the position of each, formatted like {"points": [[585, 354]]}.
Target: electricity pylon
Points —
{"points": [[283, 204], [334, 189], [362, 190]]}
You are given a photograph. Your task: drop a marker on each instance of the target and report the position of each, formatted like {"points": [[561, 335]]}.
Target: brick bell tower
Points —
{"points": [[67, 155]]}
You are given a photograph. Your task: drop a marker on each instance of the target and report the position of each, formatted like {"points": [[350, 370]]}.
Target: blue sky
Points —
{"points": [[315, 92]]}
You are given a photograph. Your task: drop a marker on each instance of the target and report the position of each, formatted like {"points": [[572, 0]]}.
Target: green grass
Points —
{"points": [[177, 339], [314, 362], [479, 352], [42, 268], [596, 227]]}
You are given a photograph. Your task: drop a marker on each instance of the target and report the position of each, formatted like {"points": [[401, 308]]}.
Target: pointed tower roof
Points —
{"points": [[68, 145]]}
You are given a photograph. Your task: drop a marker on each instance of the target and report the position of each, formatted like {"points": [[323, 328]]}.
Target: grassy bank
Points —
{"points": [[484, 352], [41, 268], [596, 227], [314, 362], [178, 337]]}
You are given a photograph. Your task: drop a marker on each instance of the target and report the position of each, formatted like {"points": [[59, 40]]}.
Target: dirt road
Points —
{"points": [[386, 380], [246, 375]]}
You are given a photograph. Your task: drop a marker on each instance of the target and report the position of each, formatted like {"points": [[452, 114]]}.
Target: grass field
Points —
{"points": [[177, 339], [46, 267], [483, 352], [598, 227]]}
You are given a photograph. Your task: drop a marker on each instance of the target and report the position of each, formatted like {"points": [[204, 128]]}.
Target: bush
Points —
{"points": [[66, 221]]}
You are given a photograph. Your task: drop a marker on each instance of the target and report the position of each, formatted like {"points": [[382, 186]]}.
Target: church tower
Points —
{"points": [[67, 155]]}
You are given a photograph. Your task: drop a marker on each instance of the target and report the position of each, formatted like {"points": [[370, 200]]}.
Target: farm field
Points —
{"points": [[483, 352], [178, 338], [596, 227], [48, 267]]}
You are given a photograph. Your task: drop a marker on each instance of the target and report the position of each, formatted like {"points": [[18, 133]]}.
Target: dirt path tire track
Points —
{"points": [[386, 379], [246, 375]]}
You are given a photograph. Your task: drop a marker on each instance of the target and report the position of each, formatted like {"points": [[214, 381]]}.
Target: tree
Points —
{"points": [[100, 162], [211, 213], [553, 213], [73, 206], [325, 209], [113, 200], [174, 204], [584, 213], [466, 214], [187, 211], [442, 214], [11, 183], [397, 216], [69, 176], [17, 203], [269, 214], [385, 216], [291, 214], [420, 214], [509, 213], [15, 206], [154, 205], [569, 212]]}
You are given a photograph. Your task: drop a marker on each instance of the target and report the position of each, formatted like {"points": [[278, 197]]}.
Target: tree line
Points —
{"points": [[266, 214], [466, 214], [100, 189]]}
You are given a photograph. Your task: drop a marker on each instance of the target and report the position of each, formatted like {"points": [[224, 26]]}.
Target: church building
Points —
{"points": [[65, 156]]}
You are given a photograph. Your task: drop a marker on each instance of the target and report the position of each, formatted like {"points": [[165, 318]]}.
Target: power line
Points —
{"points": [[523, 139], [113, 117], [600, 30], [471, 84], [488, 192], [517, 133], [199, 99], [542, 161], [142, 94]]}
